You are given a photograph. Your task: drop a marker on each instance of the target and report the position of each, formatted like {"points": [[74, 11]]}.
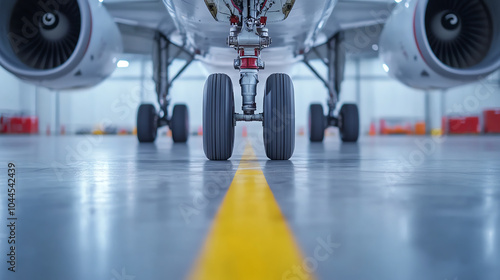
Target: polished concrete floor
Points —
{"points": [[93, 207]]}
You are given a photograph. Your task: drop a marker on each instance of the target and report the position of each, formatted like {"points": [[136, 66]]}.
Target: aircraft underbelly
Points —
{"points": [[207, 36]]}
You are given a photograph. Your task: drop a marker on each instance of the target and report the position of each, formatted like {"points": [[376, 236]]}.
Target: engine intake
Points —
{"points": [[460, 32], [442, 43], [53, 43], [47, 40]]}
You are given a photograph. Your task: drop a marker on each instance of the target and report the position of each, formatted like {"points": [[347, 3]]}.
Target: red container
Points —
{"points": [[31, 125], [492, 121], [19, 125], [444, 122], [3, 124], [463, 125]]}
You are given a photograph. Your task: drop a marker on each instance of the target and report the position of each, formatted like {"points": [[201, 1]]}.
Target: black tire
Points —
{"points": [[218, 117], [147, 123], [279, 117], [317, 123], [349, 123], [179, 123]]}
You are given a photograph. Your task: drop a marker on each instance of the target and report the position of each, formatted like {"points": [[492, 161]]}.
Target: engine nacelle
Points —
{"points": [[436, 44], [58, 44]]}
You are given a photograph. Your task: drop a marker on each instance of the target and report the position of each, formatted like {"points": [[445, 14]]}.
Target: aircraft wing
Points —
{"points": [[138, 21], [351, 14]]}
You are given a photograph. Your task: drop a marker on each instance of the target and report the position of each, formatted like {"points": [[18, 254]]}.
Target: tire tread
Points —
{"points": [[350, 126], [317, 123], [279, 110], [178, 125], [218, 111], [146, 123]]}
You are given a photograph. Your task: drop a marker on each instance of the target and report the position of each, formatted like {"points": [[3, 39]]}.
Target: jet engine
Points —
{"points": [[58, 44], [436, 44]]}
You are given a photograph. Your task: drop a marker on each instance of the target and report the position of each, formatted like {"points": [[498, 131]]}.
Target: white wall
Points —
{"points": [[9, 93], [114, 102]]}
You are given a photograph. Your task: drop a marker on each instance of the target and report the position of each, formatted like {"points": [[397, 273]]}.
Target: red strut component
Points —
{"points": [[263, 20], [249, 63], [234, 19]]}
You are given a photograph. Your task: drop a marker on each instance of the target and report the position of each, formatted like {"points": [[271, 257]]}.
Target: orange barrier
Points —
{"points": [[395, 129], [420, 128]]}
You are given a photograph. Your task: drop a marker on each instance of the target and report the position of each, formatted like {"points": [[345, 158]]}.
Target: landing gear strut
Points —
{"points": [[148, 119], [248, 36], [347, 119]]}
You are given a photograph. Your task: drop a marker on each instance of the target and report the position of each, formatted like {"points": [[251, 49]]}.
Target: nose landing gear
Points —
{"points": [[248, 36]]}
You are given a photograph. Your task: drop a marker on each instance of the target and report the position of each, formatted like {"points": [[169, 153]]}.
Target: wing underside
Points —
{"points": [[273, 10], [202, 25]]}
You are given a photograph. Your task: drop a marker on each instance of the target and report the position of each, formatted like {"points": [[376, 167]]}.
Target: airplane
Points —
{"points": [[426, 44]]}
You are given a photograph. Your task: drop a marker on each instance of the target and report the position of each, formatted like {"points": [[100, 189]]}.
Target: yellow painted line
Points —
{"points": [[249, 238]]}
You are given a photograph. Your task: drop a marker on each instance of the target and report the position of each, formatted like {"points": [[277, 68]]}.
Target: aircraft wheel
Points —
{"points": [[317, 123], [147, 123], [218, 117], [279, 117], [349, 123], [179, 124]]}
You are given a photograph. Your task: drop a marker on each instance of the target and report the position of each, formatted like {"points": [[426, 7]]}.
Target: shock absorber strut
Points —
{"points": [[249, 36]]}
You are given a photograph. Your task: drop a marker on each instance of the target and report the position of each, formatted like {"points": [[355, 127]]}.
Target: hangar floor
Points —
{"points": [[386, 208]]}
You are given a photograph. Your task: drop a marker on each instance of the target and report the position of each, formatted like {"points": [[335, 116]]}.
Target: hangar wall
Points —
{"points": [[114, 102]]}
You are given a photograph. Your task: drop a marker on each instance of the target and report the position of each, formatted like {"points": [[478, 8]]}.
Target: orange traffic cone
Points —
{"points": [[63, 130], [244, 133], [373, 129], [301, 131], [200, 130]]}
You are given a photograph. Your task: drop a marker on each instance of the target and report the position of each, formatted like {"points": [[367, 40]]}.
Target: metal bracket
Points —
{"points": [[332, 121]]}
